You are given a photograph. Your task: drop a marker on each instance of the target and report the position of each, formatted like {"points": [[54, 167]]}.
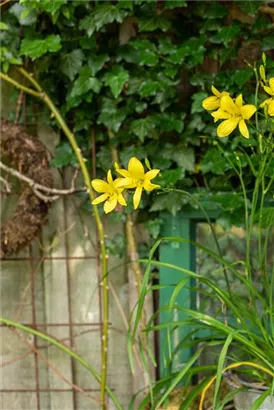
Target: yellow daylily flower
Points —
{"points": [[112, 192], [270, 90], [213, 102], [269, 101], [235, 114], [135, 177]]}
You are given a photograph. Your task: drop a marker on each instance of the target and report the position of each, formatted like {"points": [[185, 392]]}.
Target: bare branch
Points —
{"points": [[4, 2], [37, 188], [7, 185]]}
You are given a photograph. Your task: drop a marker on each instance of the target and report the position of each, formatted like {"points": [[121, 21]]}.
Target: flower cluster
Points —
{"points": [[233, 111], [269, 89], [134, 177]]}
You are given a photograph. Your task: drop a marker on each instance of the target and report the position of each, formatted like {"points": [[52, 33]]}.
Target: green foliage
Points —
{"points": [[71, 63], [250, 7], [36, 48], [116, 79], [141, 70]]}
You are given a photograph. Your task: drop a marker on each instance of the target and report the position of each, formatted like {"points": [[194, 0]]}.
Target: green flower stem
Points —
{"points": [[45, 98], [27, 90], [211, 228], [256, 97], [132, 248], [67, 351]]}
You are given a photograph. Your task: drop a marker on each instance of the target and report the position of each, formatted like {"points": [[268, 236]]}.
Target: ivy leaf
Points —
{"points": [[97, 62], [52, 7], [154, 23], [71, 63], [228, 201], [146, 52], [267, 43], [64, 156], [36, 48], [214, 10], [214, 162], [140, 107], [102, 14], [172, 202], [250, 7], [227, 33], [178, 54], [111, 116], [125, 4], [197, 102], [116, 79], [26, 16], [165, 45], [132, 151], [3, 26], [185, 158], [172, 4], [242, 76], [168, 122], [84, 83], [142, 127], [150, 87], [171, 176]]}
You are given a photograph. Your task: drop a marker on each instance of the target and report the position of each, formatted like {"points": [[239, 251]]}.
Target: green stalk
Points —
{"points": [[211, 228], [46, 99]]}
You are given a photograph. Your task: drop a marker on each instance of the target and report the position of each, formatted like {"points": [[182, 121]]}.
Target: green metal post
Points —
{"points": [[183, 256]]}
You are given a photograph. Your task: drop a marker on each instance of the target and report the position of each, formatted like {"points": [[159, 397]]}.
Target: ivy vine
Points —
{"points": [[138, 71]]}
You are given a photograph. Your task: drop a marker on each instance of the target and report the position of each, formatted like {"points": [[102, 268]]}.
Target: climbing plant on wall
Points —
{"points": [[134, 73]]}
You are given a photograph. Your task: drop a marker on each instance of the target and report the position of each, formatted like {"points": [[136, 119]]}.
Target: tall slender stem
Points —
{"points": [[46, 99]]}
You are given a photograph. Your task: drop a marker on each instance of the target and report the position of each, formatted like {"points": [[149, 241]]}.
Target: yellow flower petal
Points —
{"points": [[121, 200], [152, 174], [110, 204], [239, 100], [99, 199], [215, 91], [100, 186], [271, 109], [268, 101], [271, 83], [227, 127], [149, 186], [268, 90], [136, 168], [137, 196], [228, 105], [247, 111], [123, 172], [118, 183], [220, 115], [243, 129], [211, 103], [126, 183], [109, 177]]}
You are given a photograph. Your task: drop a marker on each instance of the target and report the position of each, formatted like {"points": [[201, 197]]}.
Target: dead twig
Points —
{"points": [[7, 185], [4, 2], [38, 187], [267, 9]]}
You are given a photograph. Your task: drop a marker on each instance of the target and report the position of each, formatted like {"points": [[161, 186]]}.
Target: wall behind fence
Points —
{"points": [[54, 286]]}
